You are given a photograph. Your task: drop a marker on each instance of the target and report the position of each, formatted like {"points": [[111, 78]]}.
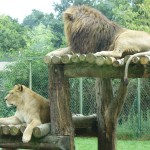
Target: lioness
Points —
{"points": [[31, 108]]}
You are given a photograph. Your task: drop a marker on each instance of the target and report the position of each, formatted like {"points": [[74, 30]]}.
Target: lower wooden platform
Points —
{"points": [[48, 142], [11, 135]]}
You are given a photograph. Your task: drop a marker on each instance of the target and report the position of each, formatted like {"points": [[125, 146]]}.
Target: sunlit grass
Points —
{"points": [[86, 143], [91, 144], [133, 145]]}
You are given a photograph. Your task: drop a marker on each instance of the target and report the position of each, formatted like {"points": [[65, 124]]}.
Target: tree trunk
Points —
{"points": [[108, 110]]}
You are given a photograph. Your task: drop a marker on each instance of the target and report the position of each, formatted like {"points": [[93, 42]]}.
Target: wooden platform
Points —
{"points": [[98, 66], [62, 67], [11, 135]]}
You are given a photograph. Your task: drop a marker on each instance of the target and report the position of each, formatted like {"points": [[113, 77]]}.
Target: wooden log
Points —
{"points": [[109, 60], [86, 132], [82, 57], [126, 58], [136, 60], [55, 60], [5, 129], [41, 130], [23, 127], [48, 59], [66, 59], [58, 52], [128, 63], [100, 60], [118, 62], [145, 60], [75, 58], [14, 130], [84, 121], [79, 121], [90, 58], [59, 95]]}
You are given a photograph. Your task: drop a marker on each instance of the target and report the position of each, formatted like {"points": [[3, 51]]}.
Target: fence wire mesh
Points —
{"points": [[134, 118]]}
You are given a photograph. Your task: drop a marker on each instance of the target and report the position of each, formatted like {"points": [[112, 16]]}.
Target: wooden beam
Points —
{"points": [[49, 142], [109, 71], [84, 121]]}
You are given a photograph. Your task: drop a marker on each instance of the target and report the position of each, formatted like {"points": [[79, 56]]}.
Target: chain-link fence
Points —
{"points": [[134, 119]]}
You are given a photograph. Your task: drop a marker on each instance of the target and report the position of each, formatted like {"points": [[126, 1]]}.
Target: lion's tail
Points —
{"points": [[128, 62]]}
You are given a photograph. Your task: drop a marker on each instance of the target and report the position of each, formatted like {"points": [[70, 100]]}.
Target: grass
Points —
{"points": [[86, 143], [133, 145], [91, 144]]}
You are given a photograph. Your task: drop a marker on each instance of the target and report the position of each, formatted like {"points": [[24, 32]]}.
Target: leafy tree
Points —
{"points": [[39, 44], [13, 37], [59, 8], [40, 41], [126, 15], [37, 17], [49, 21]]}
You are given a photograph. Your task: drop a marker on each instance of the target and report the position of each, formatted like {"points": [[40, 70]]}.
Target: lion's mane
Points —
{"points": [[88, 30]]}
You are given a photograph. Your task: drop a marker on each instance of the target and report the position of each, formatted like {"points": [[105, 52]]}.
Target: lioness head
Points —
{"points": [[14, 95]]}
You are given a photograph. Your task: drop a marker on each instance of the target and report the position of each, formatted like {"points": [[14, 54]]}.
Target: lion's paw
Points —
{"points": [[26, 138]]}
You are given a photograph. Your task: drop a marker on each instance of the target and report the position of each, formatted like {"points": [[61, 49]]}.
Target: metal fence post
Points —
{"points": [[30, 74], [139, 106], [81, 95]]}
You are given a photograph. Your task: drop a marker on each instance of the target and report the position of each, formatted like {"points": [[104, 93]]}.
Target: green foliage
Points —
{"points": [[13, 37], [129, 129], [37, 17], [59, 8], [106, 8], [51, 23], [133, 15], [40, 41]]}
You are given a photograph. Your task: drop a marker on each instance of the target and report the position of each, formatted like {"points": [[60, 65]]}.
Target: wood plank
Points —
{"points": [[90, 70]]}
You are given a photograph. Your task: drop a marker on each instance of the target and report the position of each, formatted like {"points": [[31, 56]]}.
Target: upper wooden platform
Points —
{"points": [[89, 65]]}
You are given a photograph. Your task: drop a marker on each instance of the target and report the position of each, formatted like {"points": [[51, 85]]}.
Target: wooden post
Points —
{"points": [[108, 109], [61, 119]]}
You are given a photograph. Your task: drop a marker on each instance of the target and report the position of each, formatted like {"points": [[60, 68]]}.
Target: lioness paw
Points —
{"points": [[26, 138]]}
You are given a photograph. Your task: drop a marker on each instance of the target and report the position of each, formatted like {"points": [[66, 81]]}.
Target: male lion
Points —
{"points": [[31, 108], [88, 30]]}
